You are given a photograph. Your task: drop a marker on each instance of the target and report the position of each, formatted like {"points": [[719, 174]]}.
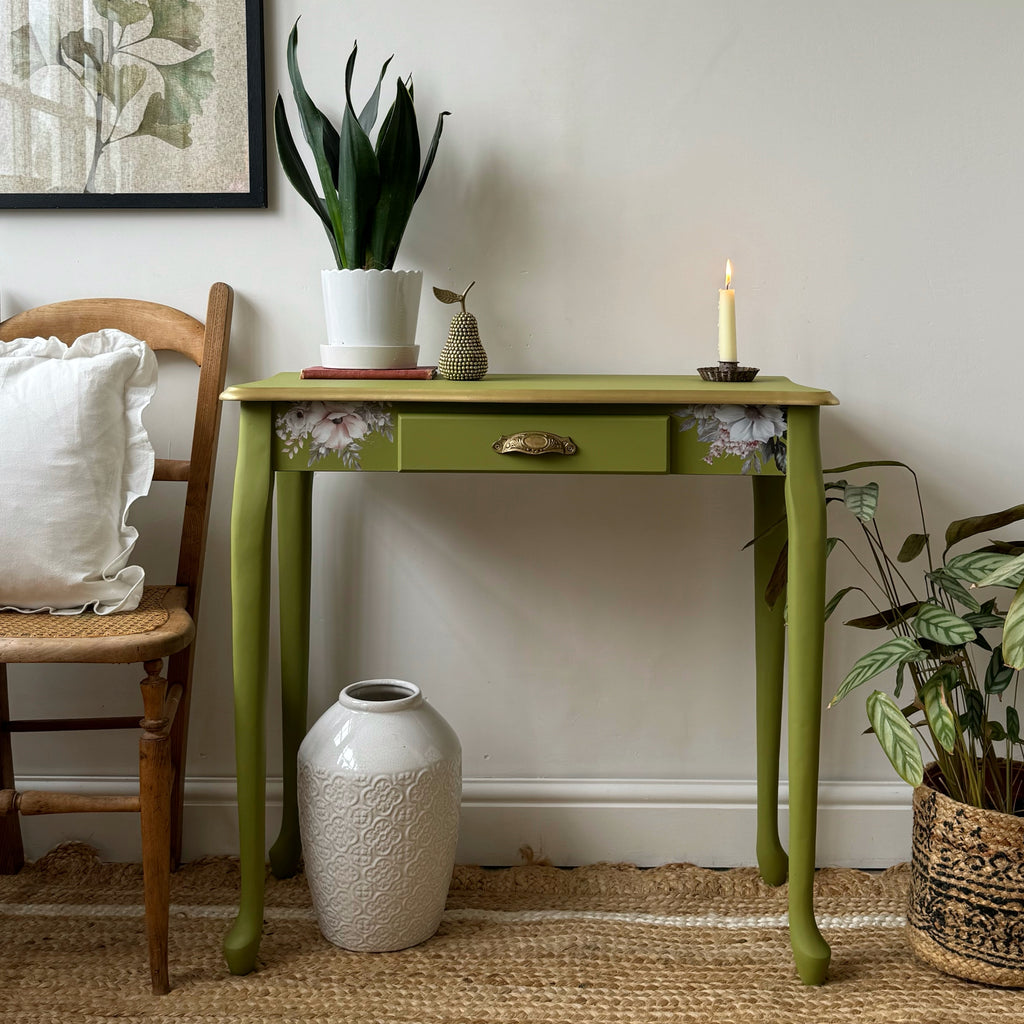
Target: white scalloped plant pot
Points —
{"points": [[371, 318], [380, 784]]}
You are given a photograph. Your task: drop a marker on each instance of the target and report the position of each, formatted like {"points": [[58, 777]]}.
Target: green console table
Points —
{"points": [[290, 429]]}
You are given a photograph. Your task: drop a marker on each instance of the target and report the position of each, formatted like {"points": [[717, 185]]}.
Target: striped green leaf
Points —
{"points": [[974, 713], [892, 652], [942, 626], [1013, 631], [896, 737], [1012, 570], [936, 710], [862, 500], [956, 590], [983, 620], [1013, 725], [998, 675], [974, 566]]}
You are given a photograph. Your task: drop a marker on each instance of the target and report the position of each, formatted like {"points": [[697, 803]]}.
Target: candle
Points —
{"points": [[727, 319]]}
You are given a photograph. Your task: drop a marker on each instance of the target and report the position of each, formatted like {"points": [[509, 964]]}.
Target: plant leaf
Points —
{"points": [[862, 500], [120, 84], [942, 626], [976, 565], [974, 714], [186, 85], [29, 53], [870, 464], [322, 138], [296, 172], [961, 529], [777, 581], [887, 619], [833, 601], [912, 547], [998, 675], [1012, 724], [124, 12], [368, 115], [936, 710], [446, 296], [1013, 631], [359, 181], [901, 668], [431, 150], [1009, 572], [892, 652], [1006, 547], [77, 47], [896, 737], [398, 150], [983, 620], [952, 586], [157, 121], [176, 20]]}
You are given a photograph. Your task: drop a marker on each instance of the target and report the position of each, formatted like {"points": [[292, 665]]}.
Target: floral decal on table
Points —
{"points": [[756, 433], [338, 427]]}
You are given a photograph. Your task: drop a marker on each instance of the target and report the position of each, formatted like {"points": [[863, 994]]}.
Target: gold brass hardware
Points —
{"points": [[535, 442]]}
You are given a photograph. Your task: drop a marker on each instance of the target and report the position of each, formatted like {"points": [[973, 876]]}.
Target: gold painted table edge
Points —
{"points": [[798, 496]]}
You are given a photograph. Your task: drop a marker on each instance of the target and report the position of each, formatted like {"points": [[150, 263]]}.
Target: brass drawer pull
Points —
{"points": [[535, 442]]}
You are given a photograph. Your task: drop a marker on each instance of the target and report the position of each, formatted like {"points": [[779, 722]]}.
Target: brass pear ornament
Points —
{"points": [[463, 356]]}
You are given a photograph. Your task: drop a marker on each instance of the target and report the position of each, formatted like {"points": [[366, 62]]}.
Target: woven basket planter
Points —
{"points": [[966, 914]]}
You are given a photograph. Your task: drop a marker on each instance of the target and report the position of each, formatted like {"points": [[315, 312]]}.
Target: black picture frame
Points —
{"points": [[253, 196]]}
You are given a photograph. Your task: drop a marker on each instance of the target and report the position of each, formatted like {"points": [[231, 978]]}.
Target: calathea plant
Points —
{"points": [[954, 652], [368, 188]]}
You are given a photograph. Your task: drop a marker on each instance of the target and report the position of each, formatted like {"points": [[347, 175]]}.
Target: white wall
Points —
{"points": [[861, 165]]}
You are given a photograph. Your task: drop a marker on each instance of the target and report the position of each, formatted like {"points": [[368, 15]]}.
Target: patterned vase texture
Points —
{"points": [[380, 783], [463, 356], [966, 913]]}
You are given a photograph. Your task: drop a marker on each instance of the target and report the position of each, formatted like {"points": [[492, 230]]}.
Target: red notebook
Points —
{"points": [[334, 373]]}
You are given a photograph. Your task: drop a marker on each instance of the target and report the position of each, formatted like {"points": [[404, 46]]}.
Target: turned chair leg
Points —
{"points": [[179, 670], [12, 852], [155, 782]]}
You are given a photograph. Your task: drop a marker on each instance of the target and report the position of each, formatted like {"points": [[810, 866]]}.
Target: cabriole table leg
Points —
{"points": [[250, 611], [805, 503], [294, 553], [770, 648]]}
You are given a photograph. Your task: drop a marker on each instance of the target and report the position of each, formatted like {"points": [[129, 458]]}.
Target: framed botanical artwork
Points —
{"points": [[131, 103]]}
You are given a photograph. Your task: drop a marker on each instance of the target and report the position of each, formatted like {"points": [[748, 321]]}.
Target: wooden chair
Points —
{"points": [[165, 699]]}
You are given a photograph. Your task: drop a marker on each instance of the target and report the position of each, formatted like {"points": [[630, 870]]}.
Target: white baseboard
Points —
{"points": [[568, 821]]}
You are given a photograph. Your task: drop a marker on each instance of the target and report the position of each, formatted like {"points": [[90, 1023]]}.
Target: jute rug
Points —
{"points": [[529, 945]]}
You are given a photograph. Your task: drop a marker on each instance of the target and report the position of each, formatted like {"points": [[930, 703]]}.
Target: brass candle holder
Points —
{"points": [[728, 372]]}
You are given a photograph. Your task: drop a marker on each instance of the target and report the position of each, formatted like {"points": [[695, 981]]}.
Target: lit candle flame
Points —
{"points": [[728, 274]]}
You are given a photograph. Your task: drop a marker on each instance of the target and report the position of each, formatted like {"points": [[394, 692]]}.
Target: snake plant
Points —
{"points": [[368, 189]]}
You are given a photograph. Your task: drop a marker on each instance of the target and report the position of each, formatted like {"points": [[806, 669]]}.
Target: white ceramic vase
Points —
{"points": [[371, 318], [380, 783]]}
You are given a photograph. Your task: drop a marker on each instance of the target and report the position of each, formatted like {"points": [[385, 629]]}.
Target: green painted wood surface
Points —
{"points": [[623, 389], [770, 650], [805, 505], [294, 559], [686, 453], [250, 635], [261, 451], [462, 442]]}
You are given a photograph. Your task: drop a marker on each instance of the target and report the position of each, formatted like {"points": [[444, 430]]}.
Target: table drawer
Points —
{"points": [[533, 442]]}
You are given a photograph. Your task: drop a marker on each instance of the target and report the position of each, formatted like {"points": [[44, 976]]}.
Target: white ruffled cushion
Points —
{"points": [[74, 455]]}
